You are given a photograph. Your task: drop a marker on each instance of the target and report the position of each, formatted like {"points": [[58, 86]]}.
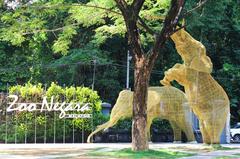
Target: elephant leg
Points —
{"points": [[172, 74], [149, 123], [218, 124], [187, 129], [215, 128], [218, 128], [214, 132], [205, 136], [169, 77], [176, 132]]}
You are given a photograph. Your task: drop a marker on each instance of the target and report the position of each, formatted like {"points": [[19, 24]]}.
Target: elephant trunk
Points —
{"points": [[99, 128], [104, 126]]}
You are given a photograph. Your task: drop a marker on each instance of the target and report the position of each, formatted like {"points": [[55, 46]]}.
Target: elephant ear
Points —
{"points": [[202, 64], [124, 99], [153, 97]]}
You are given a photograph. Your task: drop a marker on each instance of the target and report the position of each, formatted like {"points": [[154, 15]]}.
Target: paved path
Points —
{"points": [[66, 151]]}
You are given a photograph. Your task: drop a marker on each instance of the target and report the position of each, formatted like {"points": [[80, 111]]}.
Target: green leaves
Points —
{"points": [[18, 24], [154, 11], [107, 31], [64, 19], [236, 14], [62, 44], [227, 67], [83, 55], [87, 16], [12, 35], [1, 3]]}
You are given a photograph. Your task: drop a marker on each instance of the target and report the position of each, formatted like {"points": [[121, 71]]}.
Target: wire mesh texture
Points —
{"points": [[206, 97], [163, 102]]}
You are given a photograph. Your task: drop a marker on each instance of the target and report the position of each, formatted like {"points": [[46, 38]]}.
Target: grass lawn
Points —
{"points": [[128, 153], [234, 156]]}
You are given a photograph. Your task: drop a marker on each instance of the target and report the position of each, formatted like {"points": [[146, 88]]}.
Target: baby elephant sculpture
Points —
{"points": [[163, 102], [206, 97]]}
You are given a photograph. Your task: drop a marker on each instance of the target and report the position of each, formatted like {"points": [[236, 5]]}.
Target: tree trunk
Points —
{"points": [[143, 62], [139, 131]]}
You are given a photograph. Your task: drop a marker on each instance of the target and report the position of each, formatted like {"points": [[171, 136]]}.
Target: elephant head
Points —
{"points": [[192, 52], [123, 105], [122, 109]]}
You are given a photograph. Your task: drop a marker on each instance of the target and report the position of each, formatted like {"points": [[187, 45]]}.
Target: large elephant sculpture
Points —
{"points": [[163, 102], [206, 97]]}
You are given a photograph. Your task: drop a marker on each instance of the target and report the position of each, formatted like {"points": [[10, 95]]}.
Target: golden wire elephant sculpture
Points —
{"points": [[206, 97], [163, 102]]}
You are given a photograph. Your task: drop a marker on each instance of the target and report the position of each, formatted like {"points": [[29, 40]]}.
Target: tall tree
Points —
{"points": [[144, 61]]}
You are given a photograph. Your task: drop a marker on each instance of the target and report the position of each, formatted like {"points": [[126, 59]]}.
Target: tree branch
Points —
{"points": [[176, 30], [199, 5], [49, 30], [169, 25], [145, 26], [122, 5], [130, 15], [134, 38], [90, 6], [140, 21], [72, 5], [137, 5]]}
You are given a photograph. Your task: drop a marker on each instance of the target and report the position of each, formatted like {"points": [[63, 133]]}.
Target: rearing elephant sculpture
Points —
{"points": [[206, 97], [163, 102]]}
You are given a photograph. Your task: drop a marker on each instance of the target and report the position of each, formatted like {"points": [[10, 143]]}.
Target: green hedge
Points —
{"points": [[22, 122]]}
